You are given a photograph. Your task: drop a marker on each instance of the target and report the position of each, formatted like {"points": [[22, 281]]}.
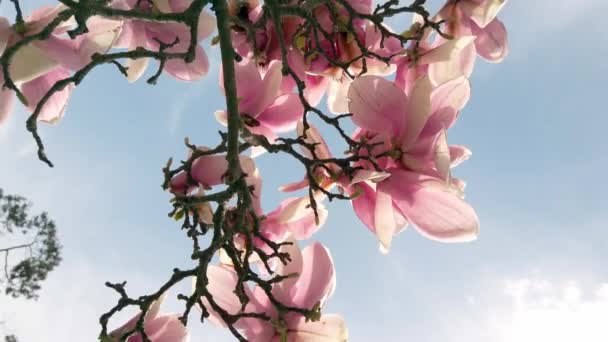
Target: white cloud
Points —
{"points": [[545, 311], [534, 309]]}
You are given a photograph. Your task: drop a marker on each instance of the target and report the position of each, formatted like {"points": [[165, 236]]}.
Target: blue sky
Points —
{"points": [[536, 125]]}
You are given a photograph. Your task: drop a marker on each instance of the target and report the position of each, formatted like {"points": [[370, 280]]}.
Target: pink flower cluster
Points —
{"points": [[36, 67], [158, 328], [405, 120], [404, 177]]}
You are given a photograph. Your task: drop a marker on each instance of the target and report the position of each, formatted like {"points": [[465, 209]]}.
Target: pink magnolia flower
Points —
{"points": [[371, 37], [429, 56], [472, 18], [208, 171], [327, 178], [318, 74], [312, 284], [266, 110], [294, 218], [36, 67], [315, 85], [411, 129], [321, 151], [267, 47], [322, 76], [138, 33], [332, 175], [482, 12], [158, 328]]}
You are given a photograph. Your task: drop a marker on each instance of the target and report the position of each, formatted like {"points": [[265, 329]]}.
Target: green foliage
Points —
{"points": [[39, 255]]}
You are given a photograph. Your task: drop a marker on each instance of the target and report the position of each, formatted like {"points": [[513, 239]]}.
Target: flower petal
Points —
{"points": [[482, 12], [317, 278], [102, 35], [282, 290], [441, 119], [362, 6], [256, 93], [300, 227], [447, 50], [166, 328], [437, 212], [179, 5], [54, 108], [138, 38], [407, 74], [253, 179], [197, 69], [383, 218], [453, 94], [30, 62], [179, 35], [6, 101], [308, 225], [222, 283], [222, 117], [151, 314], [294, 210], [418, 111], [313, 136], [206, 170], [377, 104], [206, 25], [330, 328], [458, 154], [459, 65], [5, 31], [491, 42], [271, 84], [337, 96], [43, 16], [127, 35], [364, 204], [248, 85], [136, 68], [283, 114], [442, 156], [369, 175], [64, 51], [315, 88], [295, 186], [268, 133], [163, 5]]}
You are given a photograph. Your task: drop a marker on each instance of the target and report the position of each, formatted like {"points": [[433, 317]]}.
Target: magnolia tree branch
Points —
{"points": [[234, 118], [228, 222]]}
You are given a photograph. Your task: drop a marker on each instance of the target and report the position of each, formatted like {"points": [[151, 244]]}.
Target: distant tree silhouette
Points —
{"points": [[29, 249]]}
